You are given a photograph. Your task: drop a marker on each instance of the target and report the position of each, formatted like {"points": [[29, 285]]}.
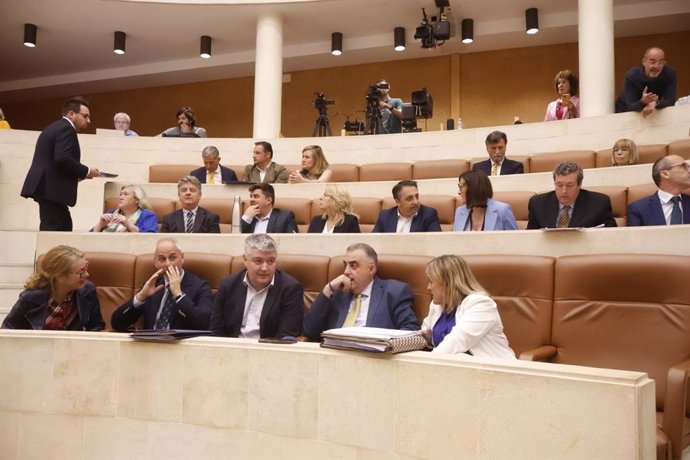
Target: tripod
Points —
{"points": [[374, 123], [322, 125]]}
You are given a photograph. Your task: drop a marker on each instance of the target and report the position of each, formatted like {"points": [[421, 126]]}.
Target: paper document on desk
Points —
{"points": [[373, 339], [167, 335]]}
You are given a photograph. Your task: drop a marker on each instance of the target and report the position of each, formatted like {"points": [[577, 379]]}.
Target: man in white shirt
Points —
{"points": [[192, 218], [261, 217], [497, 164], [264, 169], [409, 215], [260, 301], [213, 172]]}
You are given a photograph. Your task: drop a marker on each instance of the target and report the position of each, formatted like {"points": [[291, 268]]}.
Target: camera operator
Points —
{"points": [[391, 108]]}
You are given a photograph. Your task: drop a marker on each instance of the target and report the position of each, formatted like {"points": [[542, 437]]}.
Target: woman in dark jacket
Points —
{"points": [[337, 217], [58, 296]]}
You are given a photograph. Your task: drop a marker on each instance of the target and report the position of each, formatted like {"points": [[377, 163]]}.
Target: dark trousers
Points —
{"points": [[55, 217]]}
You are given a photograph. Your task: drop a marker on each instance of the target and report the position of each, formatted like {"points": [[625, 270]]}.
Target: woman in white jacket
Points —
{"points": [[462, 317]]}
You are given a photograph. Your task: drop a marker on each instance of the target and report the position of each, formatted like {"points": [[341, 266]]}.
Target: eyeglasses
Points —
{"points": [[83, 273], [685, 165]]}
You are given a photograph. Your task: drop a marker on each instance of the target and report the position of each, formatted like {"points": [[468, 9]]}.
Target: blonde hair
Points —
{"points": [[628, 144], [320, 162], [56, 262], [454, 274], [342, 203], [122, 116], [139, 195]]}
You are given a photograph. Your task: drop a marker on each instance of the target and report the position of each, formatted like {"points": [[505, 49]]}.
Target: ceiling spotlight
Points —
{"points": [[336, 43], [399, 39], [532, 20], [119, 46], [30, 31], [205, 51], [467, 33]]}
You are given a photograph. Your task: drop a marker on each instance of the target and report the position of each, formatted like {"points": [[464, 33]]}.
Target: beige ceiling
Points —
{"points": [[75, 37]]}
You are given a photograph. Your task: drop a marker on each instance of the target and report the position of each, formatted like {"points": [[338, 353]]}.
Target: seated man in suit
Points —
{"points": [[669, 205], [569, 205], [213, 172], [260, 301], [172, 298], [498, 164], [261, 217], [191, 218], [264, 169], [360, 298], [409, 215]]}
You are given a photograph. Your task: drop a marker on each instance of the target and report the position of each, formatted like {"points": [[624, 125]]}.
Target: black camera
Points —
{"points": [[373, 94], [321, 102]]}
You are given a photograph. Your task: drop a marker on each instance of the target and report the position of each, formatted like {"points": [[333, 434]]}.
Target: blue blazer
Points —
{"points": [[227, 174], [499, 216], [508, 167], [648, 211], [426, 220], [390, 307]]}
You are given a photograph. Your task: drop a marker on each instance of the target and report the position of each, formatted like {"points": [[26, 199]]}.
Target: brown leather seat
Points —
{"points": [[345, 172], [169, 173], [385, 171], [545, 162], [646, 153], [113, 275], [619, 201], [238, 169], [518, 200], [220, 206], [368, 210], [681, 148], [311, 271], [207, 266], [524, 159], [637, 192], [438, 169]]}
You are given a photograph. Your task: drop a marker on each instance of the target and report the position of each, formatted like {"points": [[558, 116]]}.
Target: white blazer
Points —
{"points": [[478, 328]]}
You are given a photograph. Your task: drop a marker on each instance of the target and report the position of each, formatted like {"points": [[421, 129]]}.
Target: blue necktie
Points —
{"points": [[163, 321], [676, 213]]}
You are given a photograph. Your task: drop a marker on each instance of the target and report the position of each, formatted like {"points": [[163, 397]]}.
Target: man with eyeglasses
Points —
{"points": [[648, 87], [669, 205], [56, 169]]}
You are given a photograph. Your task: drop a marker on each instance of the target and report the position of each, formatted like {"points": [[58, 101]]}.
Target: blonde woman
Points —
{"points": [[133, 214], [337, 214], [314, 167], [624, 153], [462, 317], [58, 296]]}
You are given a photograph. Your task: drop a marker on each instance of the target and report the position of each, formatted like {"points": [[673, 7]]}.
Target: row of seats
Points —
{"points": [[368, 208], [626, 311], [437, 169]]}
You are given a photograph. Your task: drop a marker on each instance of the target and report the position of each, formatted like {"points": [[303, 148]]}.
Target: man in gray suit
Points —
{"points": [[264, 169], [261, 217]]}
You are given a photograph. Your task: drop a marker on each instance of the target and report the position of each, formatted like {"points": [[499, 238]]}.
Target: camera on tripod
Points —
{"points": [[321, 102], [373, 93], [421, 107]]}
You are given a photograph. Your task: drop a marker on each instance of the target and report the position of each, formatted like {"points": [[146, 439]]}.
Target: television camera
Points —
{"points": [[322, 127], [420, 107], [432, 31]]}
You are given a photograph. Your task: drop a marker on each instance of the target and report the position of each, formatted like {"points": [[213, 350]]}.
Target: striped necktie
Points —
{"points": [[564, 217], [189, 222]]}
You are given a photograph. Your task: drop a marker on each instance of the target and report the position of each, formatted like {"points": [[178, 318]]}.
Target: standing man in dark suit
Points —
{"points": [[497, 164], [409, 215], [56, 169], [213, 172], [173, 298], [260, 301], [264, 168], [669, 205], [261, 217], [360, 298], [569, 205], [191, 218]]}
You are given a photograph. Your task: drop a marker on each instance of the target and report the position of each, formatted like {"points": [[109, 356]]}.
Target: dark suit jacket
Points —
{"points": [[227, 174], [204, 222], [349, 225], [31, 310], [648, 211], [281, 315], [276, 174], [279, 222], [193, 310], [426, 220], [390, 307], [55, 169], [591, 210], [508, 167]]}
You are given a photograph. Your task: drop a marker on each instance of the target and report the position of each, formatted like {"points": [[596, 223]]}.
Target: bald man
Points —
{"points": [[648, 87]]}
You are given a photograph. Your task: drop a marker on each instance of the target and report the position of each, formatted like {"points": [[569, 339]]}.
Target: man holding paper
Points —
{"points": [[359, 298]]}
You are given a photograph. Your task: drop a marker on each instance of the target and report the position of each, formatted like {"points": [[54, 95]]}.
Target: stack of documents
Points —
{"points": [[166, 335], [373, 339]]}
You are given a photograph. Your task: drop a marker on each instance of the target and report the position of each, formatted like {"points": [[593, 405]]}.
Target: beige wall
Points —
{"points": [[494, 87]]}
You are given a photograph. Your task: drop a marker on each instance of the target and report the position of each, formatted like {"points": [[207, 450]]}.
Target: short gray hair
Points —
{"points": [[368, 251], [210, 150], [189, 180], [122, 115], [260, 241], [568, 167], [169, 239]]}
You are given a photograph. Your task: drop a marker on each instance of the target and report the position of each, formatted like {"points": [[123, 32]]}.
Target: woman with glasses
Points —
{"points": [[122, 121], [133, 214], [478, 211], [58, 296], [624, 153]]}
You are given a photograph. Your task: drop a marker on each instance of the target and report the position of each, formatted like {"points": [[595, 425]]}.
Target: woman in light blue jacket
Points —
{"points": [[479, 212]]}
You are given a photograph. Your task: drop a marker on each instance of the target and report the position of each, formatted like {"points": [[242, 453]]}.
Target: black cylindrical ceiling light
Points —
{"points": [[399, 39], [336, 43], [205, 51], [30, 31], [467, 33], [532, 20], [119, 46]]}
